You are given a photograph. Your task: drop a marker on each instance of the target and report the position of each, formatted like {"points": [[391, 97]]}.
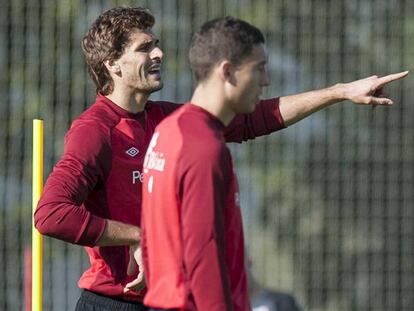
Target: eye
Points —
{"points": [[148, 46], [261, 67], [144, 47]]}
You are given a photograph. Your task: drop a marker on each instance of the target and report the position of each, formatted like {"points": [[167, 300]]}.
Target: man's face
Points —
{"points": [[140, 64], [250, 76]]}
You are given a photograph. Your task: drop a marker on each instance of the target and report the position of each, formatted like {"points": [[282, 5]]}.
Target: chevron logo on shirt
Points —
{"points": [[132, 152]]}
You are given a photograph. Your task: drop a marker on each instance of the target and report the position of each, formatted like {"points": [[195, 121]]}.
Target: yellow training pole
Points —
{"points": [[37, 188]]}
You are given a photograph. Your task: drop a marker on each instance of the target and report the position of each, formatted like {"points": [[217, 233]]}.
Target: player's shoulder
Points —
{"points": [[191, 125], [200, 136], [100, 117], [95, 123], [180, 121], [98, 113]]}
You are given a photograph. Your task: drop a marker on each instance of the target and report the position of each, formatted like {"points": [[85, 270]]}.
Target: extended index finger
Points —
{"points": [[389, 78]]}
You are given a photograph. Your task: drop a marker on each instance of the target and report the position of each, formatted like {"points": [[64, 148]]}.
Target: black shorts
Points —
{"points": [[90, 301]]}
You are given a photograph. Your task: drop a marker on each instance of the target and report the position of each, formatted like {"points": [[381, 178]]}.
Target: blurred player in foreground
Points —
{"points": [[192, 231]]}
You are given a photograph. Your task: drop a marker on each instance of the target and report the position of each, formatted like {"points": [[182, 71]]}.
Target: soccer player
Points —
{"points": [[93, 196], [192, 231]]}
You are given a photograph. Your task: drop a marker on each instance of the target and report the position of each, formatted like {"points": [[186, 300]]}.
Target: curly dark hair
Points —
{"points": [[222, 38], [107, 39]]}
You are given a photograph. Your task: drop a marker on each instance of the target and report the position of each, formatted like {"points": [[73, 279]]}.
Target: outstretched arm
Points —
{"points": [[367, 91]]}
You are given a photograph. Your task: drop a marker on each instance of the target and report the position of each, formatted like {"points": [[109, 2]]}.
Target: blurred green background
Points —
{"points": [[328, 203]]}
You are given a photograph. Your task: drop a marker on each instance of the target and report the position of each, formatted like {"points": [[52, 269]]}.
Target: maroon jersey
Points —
{"points": [[192, 229], [99, 177]]}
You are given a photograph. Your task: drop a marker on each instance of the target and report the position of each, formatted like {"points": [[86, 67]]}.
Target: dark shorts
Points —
{"points": [[90, 301]]}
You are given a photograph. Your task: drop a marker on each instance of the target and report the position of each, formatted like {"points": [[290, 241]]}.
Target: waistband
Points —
{"points": [[112, 302]]}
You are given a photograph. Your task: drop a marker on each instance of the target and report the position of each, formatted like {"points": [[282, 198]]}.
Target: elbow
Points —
{"points": [[56, 221], [41, 224], [47, 226], [42, 229], [43, 221]]}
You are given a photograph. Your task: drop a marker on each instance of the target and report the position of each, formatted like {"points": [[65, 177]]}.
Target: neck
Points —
{"points": [[208, 96], [131, 102]]}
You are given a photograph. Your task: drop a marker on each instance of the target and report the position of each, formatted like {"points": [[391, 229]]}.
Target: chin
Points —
{"points": [[156, 87]]}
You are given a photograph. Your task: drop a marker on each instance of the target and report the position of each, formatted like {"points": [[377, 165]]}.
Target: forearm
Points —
{"points": [[76, 225], [294, 108], [367, 91], [66, 221], [118, 233]]}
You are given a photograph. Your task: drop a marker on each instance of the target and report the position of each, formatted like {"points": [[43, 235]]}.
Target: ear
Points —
{"points": [[226, 71], [112, 66]]}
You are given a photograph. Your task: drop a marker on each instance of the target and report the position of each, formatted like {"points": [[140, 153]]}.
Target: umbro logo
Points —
{"points": [[132, 152]]}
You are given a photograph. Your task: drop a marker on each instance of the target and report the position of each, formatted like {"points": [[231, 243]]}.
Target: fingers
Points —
{"points": [[135, 261], [389, 78], [137, 284], [380, 101]]}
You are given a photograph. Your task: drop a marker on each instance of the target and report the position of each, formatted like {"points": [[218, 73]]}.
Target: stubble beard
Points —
{"points": [[150, 88]]}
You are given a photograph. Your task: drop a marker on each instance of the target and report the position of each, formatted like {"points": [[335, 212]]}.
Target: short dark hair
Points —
{"points": [[107, 39], [222, 38]]}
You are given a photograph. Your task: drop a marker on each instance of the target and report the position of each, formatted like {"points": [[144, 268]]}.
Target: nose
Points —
{"points": [[157, 53], [265, 79]]}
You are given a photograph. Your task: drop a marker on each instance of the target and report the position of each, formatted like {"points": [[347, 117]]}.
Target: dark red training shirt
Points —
{"points": [[191, 221], [99, 177]]}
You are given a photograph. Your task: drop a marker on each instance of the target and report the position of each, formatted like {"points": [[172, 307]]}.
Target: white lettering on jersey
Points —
{"points": [[137, 176], [154, 160], [150, 184]]}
